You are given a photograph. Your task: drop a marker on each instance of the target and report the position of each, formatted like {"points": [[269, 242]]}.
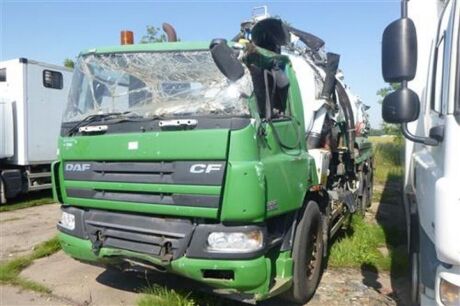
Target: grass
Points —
{"points": [[156, 295], [368, 243], [365, 244], [10, 270], [388, 159], [162, 296], [360, 245], [28, 200]]}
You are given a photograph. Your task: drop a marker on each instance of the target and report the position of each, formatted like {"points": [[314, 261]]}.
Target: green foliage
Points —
{"points": [[157, 295], [153, 35], [392, 129], [161, 296], [371, 244], [388, 159], [69, 63], [388, 128], [376, 132], [364, 247], [383, 92], [10, 270], [26, 201], [360, 247], [46, 248]]}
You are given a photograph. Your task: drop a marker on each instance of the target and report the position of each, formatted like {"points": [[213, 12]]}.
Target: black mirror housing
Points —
{"points": [[399, 51], [226, 60], [401, 106]]}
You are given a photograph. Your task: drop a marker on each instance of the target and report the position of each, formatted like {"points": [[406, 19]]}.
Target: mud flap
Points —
{"points": [[12, 180]]}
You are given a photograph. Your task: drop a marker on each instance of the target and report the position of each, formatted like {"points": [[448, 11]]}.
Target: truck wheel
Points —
{"points": [[364, 197], [370, 184], [2, 192], [307, 255], [414, 278], [414, 261]]}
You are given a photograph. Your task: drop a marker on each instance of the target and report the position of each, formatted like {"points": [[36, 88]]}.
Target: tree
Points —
{"points": [[153, 35], [388, 128], [69, 63], [383, 92]]}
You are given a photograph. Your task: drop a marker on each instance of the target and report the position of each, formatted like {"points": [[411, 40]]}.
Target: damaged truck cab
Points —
{"points": [[195, 158]]}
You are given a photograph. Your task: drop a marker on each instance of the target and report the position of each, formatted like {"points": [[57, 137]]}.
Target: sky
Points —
{"points": [[51, 31]]}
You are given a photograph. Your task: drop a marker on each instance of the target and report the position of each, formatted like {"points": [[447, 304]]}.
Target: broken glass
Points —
{"points": [[152, 84]]}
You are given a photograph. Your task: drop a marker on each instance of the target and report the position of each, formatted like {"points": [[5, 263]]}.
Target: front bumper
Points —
{"points": [[185, 253], [249, 276]]}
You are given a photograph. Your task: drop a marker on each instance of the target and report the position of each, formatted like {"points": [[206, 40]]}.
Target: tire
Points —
{"points": [[414, 261], [364, 197], [414, 278], [2, 192], [370, 183], [307, 255]]}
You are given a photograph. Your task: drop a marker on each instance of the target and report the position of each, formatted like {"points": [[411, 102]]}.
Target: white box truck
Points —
{"points": [[421, 52], [32, 99]]}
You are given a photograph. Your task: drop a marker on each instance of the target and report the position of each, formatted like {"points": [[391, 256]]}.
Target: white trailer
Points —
{"points": [[428, 107], [32, 99]]}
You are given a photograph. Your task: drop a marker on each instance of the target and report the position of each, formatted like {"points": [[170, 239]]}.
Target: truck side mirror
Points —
{"points": [[401, 106], [399, 64], [226, 59], [399, 51]]}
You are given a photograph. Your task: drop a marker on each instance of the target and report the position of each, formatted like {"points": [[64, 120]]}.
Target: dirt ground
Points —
{"points": [[21, 230], [75, 283]]}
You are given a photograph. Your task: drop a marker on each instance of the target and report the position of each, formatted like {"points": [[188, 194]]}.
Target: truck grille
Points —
{"points": [[115, 173], [196, 200], [209, 173]]}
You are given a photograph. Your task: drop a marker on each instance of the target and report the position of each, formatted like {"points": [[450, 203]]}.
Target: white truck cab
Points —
{"points": [[421, 51], [32, 99]]}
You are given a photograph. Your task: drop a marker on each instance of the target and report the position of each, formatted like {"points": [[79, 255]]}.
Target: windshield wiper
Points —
{"points": [[91, 118]]}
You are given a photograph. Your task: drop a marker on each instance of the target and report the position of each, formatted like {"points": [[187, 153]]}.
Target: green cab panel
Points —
{"points": [[162, 173], [160, 146], [269, 170]]}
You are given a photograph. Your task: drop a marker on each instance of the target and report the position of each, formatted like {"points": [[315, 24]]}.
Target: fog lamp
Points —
{"points": [[235, 242], [67, 221], [449, 293]]}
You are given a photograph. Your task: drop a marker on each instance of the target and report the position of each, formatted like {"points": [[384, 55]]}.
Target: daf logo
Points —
{"points": [[77, 167], [205, 168]]}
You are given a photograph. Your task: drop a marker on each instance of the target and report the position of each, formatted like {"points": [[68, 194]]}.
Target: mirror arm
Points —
{"points": [[425, 140], [404, 4]]}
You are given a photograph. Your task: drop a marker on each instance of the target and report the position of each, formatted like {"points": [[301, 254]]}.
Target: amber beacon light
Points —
{"points": [[126, 37]]}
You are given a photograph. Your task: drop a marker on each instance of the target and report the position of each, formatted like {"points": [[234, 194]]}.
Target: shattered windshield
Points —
{"points": [[151, 84]]}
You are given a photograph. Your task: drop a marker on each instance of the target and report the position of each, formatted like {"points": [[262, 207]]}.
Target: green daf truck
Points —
{"points": [[231, 163]]}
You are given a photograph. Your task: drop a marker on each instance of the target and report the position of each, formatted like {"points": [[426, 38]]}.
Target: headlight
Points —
{"points": [[449, 293], [67, 221], [235, 242]]}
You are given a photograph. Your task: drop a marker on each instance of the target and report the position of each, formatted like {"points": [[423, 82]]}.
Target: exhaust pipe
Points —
{"points": [[170, 32]]}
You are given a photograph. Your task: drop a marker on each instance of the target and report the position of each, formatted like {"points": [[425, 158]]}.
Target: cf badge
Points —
{"points": [[205, 168]]}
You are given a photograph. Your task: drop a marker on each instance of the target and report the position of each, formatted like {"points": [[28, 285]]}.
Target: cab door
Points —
{"points": [[429, 160], [283, 154]]}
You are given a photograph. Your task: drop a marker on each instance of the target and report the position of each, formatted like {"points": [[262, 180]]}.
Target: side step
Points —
{"points": [[38, 174]]}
